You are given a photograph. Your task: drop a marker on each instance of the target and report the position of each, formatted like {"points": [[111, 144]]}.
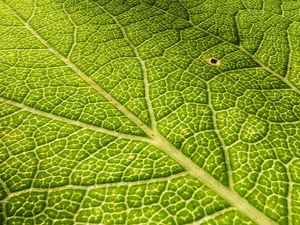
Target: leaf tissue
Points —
{"points": [[150, 112]]}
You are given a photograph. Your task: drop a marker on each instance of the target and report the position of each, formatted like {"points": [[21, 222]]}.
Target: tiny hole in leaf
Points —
{"points": [[214, 62]]}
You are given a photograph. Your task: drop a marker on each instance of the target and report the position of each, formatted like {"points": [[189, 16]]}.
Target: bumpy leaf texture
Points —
{"points": [[150, 112]]}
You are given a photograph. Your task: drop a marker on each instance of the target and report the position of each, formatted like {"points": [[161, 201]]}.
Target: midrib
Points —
{"points": [[157, 139]]}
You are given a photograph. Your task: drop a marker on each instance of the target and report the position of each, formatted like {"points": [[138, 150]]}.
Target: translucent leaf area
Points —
{"points": [[150, 112]]}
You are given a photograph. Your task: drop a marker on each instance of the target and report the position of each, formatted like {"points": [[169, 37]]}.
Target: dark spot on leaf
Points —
{"points": [[214, 62]]}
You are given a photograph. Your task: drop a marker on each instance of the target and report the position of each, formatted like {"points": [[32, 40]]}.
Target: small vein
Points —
{"points": [[3, 205], [77, 212], [10, 114], [143, 66], [289, 196], [212, 216], [225, 150], [237, 26], [97, 186], [5, 188], [33, 11], [74, 31], [74, 122], [290, 53], [284, 79]]}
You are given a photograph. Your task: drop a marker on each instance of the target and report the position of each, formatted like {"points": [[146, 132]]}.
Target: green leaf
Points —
{"points": [[150, 112]]}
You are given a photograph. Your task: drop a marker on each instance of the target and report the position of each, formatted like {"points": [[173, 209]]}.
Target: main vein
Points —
{"points": [[158, 140]]}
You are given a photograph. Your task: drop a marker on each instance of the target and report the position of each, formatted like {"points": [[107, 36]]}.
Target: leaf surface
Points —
{"points": [[149, 112]]}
